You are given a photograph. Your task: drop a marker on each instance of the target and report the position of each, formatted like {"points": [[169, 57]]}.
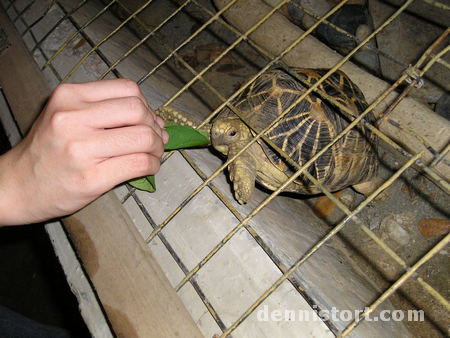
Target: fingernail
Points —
{"points": [[165, 136], [160, 121]]}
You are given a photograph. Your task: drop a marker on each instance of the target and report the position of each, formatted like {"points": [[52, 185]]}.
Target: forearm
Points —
{"points": [[32, 187]]}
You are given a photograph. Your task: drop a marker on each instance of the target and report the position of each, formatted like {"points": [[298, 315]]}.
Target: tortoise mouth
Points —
{"points": [[221, 148]]}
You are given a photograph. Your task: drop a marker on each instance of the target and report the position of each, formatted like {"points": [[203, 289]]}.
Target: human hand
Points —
{"points": [[89, 138]]}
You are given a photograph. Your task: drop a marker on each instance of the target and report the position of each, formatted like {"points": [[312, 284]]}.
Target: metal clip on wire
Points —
{"points": [[413, 76]]}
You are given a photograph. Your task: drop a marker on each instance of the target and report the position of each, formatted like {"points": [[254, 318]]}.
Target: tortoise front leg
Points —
{"points": [[179, 117], [368, 187], [242, 173]]}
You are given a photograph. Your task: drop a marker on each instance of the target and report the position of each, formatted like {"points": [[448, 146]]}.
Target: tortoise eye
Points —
{"points": [[232, 133]]}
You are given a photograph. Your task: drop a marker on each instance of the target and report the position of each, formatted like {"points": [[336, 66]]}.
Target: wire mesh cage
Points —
{"points": [[233, 265]]}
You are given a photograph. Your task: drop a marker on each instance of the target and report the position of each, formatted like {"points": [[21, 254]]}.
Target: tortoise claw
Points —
{"points": [[242, 191], [243, 185], [367, 188]]}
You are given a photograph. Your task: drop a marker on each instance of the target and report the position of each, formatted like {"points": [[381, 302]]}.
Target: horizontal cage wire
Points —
{"points": [[411, 77]]}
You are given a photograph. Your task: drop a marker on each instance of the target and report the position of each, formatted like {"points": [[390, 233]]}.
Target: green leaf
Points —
{"points": [[146, 183], [179, 137], [169, 123], [185, 137]]}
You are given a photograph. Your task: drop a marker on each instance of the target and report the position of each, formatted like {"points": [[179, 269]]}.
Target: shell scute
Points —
{"points": [[311, 125]]}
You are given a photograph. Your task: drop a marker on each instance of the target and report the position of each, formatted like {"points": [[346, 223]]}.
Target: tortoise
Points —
{"points": [[305, 130]]}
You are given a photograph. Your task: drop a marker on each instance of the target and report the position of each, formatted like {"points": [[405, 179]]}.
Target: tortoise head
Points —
{"points": [[228, 131]]}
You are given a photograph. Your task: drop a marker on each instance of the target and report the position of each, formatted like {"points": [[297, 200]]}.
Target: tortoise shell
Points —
{"points": [[310, 126]]}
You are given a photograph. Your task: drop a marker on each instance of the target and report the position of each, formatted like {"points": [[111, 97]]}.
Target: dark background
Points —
{"points": [[32, 282]]}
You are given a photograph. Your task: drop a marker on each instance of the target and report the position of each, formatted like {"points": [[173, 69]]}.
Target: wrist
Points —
{"points": [[13, 204]]}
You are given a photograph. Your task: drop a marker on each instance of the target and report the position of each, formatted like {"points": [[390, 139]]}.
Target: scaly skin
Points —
{"points": [[368, 187], [242, 172], [243, 169]]}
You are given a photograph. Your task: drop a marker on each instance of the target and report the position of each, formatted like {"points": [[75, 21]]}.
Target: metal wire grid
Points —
{"points": [[413, 76]]}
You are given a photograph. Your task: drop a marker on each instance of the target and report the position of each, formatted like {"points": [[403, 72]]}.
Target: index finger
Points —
{"points": [[105, 89]]}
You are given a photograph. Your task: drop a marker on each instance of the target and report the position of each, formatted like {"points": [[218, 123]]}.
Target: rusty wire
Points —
{"points": [[295, 165], [216, 111], [313, 87], [66, 16], [198, 76], [76, 33], [222, 242], [439, 246], [216, 191], [438, 4], [435, 177], [433, 292], [291, 179], [144, 39], [347, 34], [180, 283], [316, 247], [38, 47]]}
